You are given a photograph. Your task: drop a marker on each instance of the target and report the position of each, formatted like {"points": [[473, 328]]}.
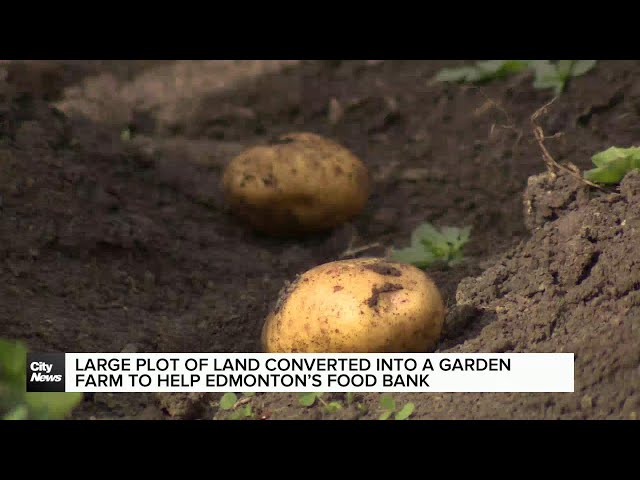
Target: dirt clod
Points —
{"points": [[384, 269], [548, 196], [185, 406], [573, 287], [372, 301]]}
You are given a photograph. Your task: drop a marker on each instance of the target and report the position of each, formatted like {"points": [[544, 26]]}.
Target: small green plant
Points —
{"points": [[350, 398], [548, 73], [613, 164], [430, 245], [18, 404], [239, 409], [388, 406], [309, 399]]}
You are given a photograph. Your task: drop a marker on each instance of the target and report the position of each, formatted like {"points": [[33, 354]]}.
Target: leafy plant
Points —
{"points": [[239, 408], [613, 164], [228, 401], [430, 245], [332, 407], [388, 405], [482, 71], [245, 411], [548, 74], [556, 75], [18, 404], [309, 399]]}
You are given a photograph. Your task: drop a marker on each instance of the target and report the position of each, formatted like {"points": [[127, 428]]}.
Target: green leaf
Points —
{"points": [[515, 66], [52, 405], [332, 407], [556, 75], [236, 415], [611, 154], [456, 74], [550, 82], [350, 397], [39, 405], [612, 173], [542, 67], [580, 67], [482, 71], [564, 68], [429, 244], [547, 75], [249, 394], [456, 237], [613, 164], [228, 400], [387, 403], [489, 70], [405, 412], [21, 412], [495, 69], [385, 415], [422, 232], [308, 399], [13, 360], [125, 135], [240, 414], [415, 255]]}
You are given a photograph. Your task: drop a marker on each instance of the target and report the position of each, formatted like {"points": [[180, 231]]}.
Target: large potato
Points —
{"points": [[356, 306], [301, 183]]}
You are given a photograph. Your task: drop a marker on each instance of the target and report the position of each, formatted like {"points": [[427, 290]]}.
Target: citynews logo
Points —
{"points": [[45, 372]]}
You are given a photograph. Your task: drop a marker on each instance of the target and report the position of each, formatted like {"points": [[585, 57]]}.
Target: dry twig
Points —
{"points": [[351, 251], [550, 162]]}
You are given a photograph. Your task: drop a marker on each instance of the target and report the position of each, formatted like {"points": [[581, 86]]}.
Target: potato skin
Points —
{"points": [[301, 183], [367, 305]]}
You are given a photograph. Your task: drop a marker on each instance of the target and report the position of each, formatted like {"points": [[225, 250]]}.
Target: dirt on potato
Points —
{"points": [[114, 235]]}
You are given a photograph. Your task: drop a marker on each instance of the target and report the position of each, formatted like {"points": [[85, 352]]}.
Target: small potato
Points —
{"points": [[365, 305], [301, 183]]}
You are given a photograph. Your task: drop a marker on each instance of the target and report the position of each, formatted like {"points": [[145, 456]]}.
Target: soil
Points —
{"points": [[114, 235]]}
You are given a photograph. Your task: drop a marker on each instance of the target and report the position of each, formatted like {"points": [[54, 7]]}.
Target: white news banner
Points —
{"points": [[261, 372]]}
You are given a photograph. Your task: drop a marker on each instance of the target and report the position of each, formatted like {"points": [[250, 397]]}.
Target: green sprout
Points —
{"points": [[18, 404], [388, 406], [430, 245], [548, 73], [613, 164], [350, 398], [125, 135]]}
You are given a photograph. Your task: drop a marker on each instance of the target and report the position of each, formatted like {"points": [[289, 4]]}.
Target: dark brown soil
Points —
{"points": [[114, 235]]}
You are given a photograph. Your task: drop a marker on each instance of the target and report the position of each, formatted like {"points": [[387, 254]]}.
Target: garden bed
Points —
{"points": [[114, 235]]}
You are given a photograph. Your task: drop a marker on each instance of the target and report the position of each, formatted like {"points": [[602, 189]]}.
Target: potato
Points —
{"points": [[301, 183], [367, 305]]}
